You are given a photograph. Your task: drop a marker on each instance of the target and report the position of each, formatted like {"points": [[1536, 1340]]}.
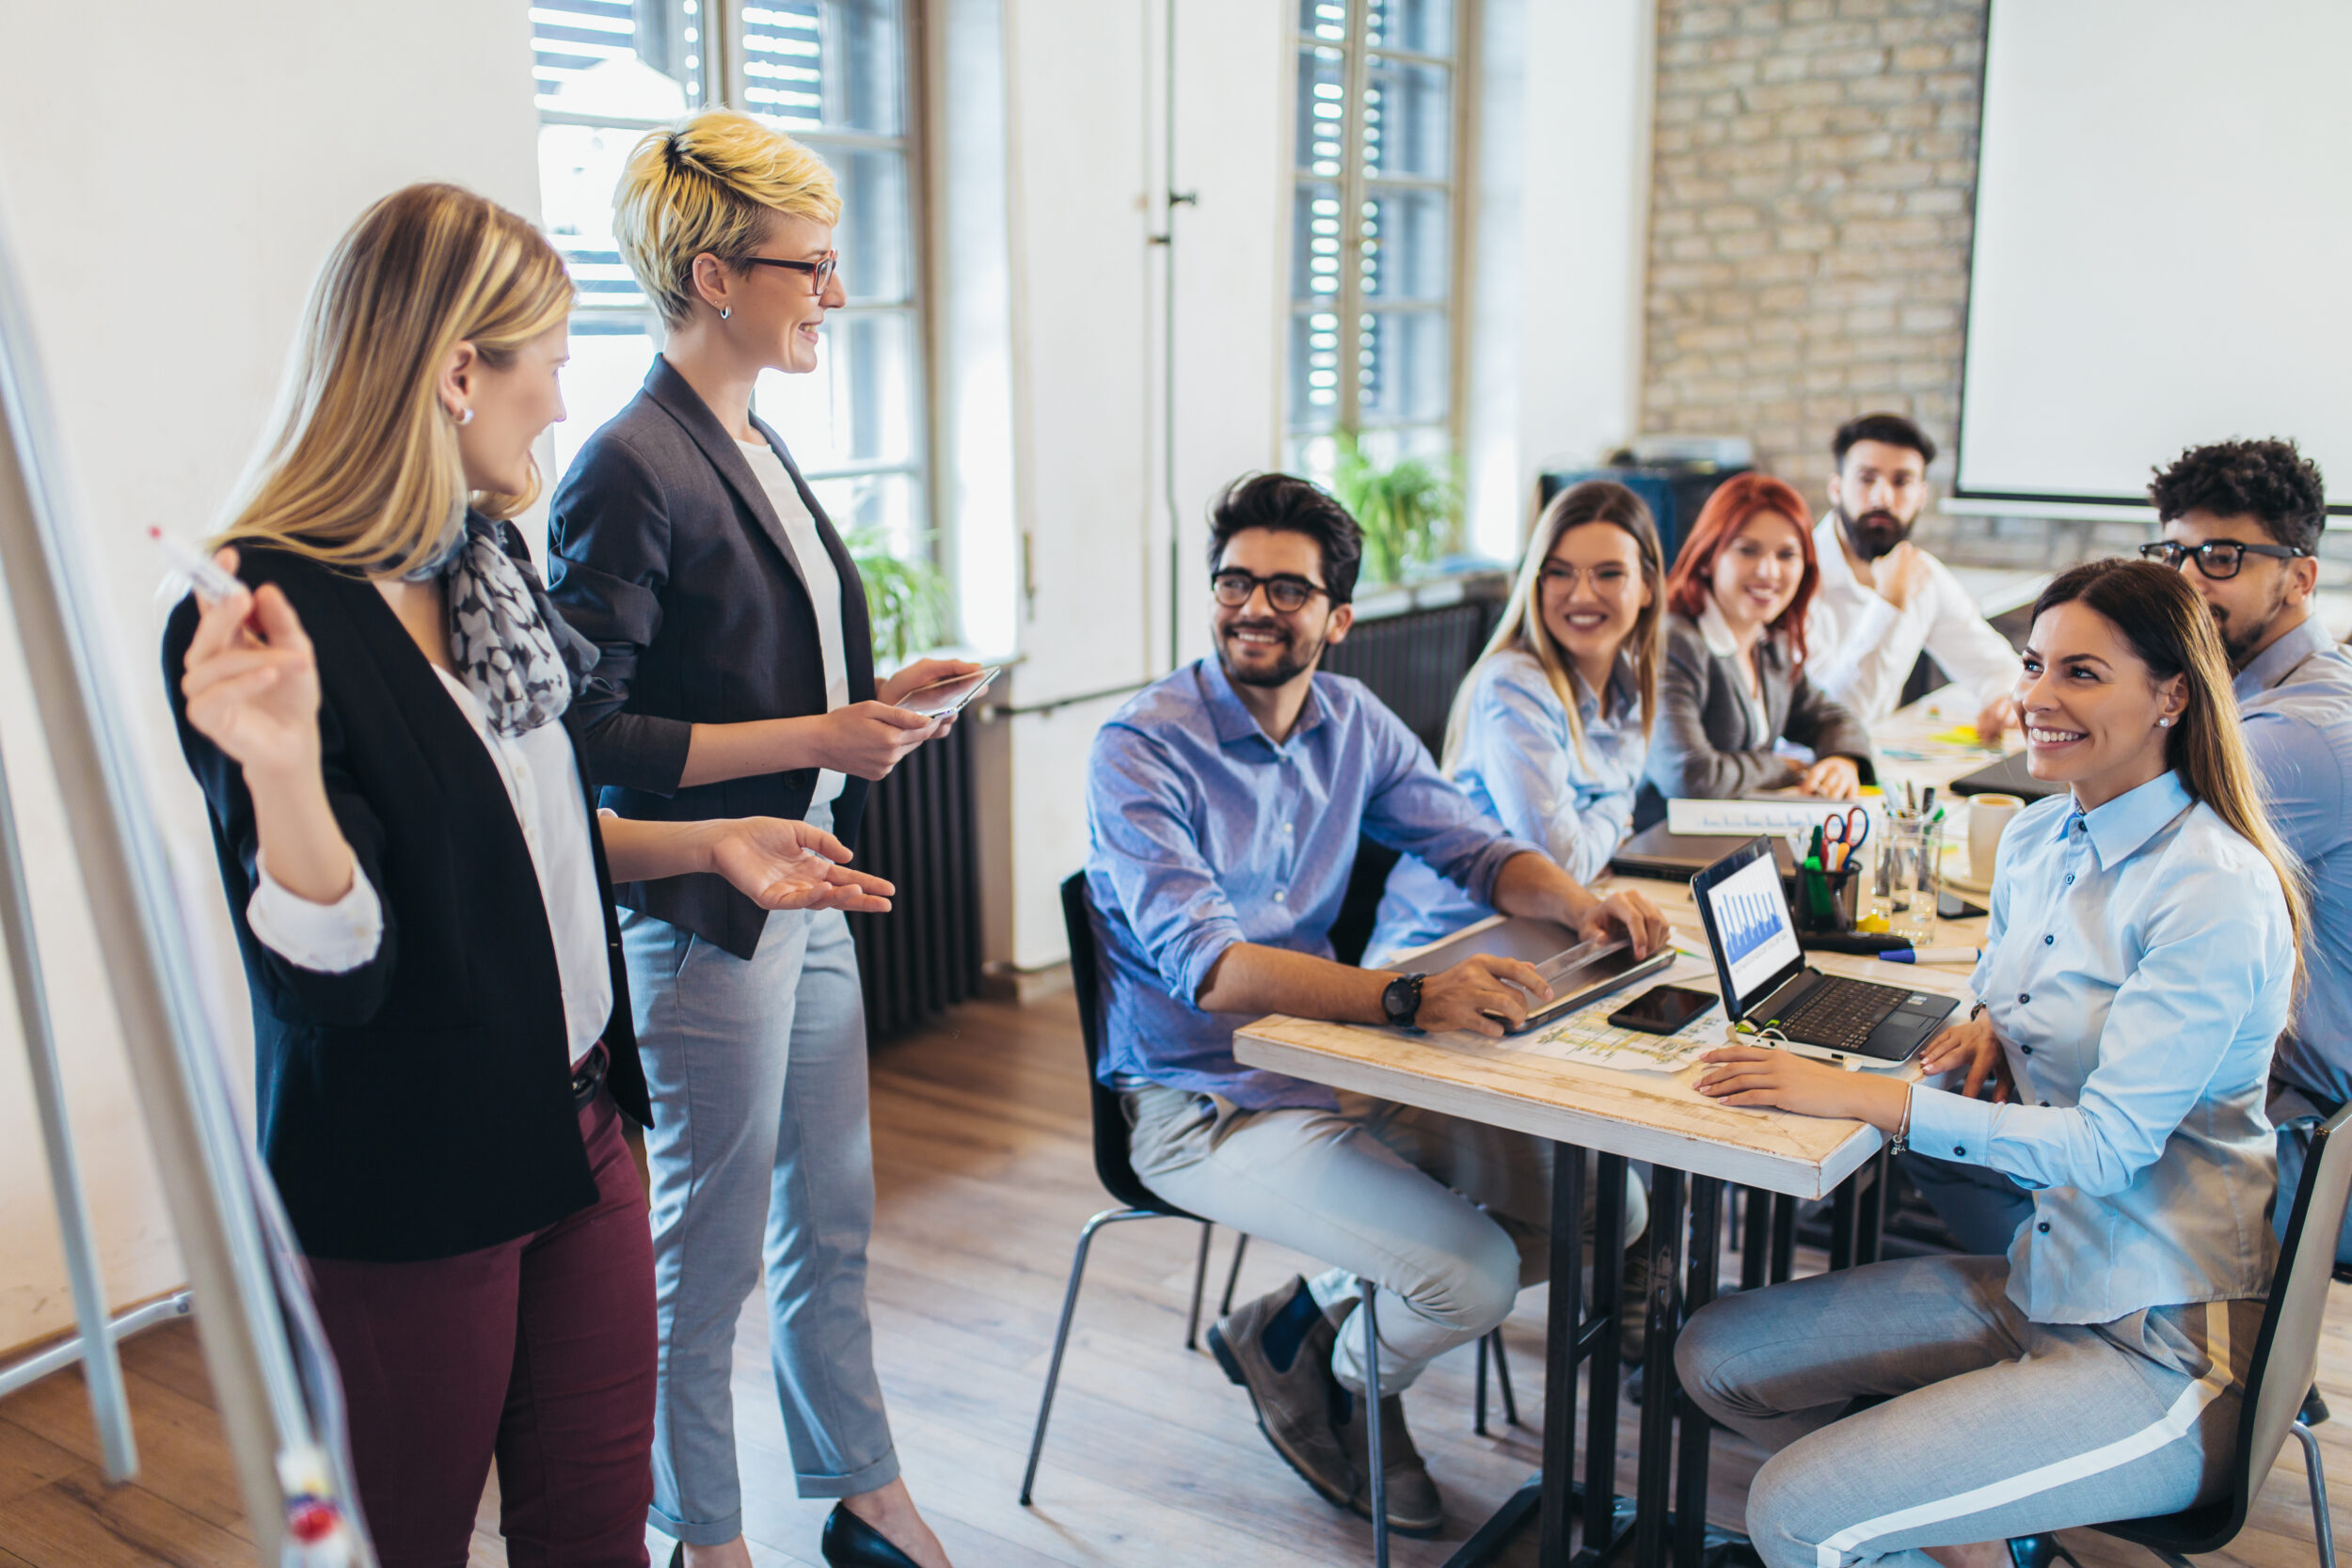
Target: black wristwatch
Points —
{"points": [[1401, 1002]]}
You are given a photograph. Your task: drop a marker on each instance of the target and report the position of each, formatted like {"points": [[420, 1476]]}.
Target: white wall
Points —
{"points": [[1557, 240], [172, 176]]}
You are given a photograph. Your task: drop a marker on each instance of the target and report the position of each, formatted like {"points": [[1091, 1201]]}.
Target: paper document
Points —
{"points": [[1586, 1039], [1792, 816]]}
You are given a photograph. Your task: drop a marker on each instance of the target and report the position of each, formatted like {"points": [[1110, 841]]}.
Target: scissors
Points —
{"points": [[1846, 830]]}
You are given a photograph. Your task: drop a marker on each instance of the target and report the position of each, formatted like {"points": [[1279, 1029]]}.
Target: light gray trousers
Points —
{"points": [[1450, 1216], [1993, 1425], [759, 1147]]}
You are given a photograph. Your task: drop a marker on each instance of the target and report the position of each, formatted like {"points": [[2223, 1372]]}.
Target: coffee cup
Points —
{"points": [[1988, 819]]}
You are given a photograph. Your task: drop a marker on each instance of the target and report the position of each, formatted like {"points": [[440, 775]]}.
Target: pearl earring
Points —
{"points": [[2163, 724], [466, 417], [725, 312]]}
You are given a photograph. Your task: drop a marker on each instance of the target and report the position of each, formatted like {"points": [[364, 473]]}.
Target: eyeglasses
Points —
{"points": [[1286, 594], [2217, 558], [819, 272]]}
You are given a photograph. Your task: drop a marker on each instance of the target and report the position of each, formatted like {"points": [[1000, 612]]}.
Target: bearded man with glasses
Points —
{"points": [[2242, 521], [1225, 802]]}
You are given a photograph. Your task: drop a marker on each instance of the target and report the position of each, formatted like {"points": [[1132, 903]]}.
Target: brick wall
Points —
{"points": [[1808, 249]]}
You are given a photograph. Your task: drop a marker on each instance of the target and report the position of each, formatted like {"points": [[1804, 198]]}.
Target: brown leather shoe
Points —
{"points": [[1414, 1506], [1279, 1348]]}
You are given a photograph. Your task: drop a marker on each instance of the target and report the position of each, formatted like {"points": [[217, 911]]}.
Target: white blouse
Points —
{"points": [[824, 586], [541, 786]]}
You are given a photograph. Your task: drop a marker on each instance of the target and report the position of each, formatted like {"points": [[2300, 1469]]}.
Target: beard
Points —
{"points": [[1874, 533], [1294, 661], [2240, 638]]}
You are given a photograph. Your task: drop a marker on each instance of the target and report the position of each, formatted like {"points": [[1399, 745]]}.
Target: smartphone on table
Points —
{"points": [[1661, 1009]]}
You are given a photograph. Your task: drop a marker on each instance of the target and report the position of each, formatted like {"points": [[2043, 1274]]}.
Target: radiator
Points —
{"points": [[1414, 661], [920, 832]]}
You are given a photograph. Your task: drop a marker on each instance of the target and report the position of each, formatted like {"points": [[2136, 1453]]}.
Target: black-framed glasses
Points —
{"points": [[2217, 558], [819, 272], [1286, 593]]}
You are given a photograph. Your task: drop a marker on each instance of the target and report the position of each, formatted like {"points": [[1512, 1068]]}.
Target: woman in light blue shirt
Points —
{"points": [[1551, 728], [2139, 963]]}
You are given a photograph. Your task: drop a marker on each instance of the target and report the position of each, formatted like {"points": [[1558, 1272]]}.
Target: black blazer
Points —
{"points": [[420, 1105], [1703, 747], [665, 553]]}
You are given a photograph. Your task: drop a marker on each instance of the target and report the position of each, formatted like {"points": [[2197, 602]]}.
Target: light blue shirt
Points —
{"points": [[2137, 966], [1519, 764], [2296, 701], [1207, 832]]}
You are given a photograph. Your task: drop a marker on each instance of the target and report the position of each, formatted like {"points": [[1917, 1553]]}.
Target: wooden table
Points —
{"points": [[1691, 1142]]}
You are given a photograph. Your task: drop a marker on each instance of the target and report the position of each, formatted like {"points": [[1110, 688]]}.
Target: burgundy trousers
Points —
{"points": [[537, 1353]]}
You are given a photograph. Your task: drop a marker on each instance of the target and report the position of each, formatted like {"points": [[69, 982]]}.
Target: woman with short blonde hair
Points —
{"points": [[737, 673], [442, 1035]]}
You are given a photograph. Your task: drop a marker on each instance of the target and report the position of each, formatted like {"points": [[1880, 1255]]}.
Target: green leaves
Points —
{"points": [[1408, 511], [906, 601]]}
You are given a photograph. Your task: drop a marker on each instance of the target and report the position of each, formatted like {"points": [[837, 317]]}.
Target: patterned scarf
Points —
{"points": [[512, 648]]}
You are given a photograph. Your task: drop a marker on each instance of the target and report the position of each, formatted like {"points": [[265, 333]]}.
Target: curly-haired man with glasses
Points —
{"points": [[2243, 520]]}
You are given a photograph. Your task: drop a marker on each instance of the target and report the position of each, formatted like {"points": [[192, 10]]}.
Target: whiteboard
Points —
{"points": [[2163, 244]]}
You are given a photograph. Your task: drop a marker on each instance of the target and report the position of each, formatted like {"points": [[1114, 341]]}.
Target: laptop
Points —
{"points": [[1766, 981], [1678, 857], [2007, 777], [1579, 973]]}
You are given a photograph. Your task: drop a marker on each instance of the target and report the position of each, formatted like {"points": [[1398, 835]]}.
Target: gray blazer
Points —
{"points": [[1705, 746]]}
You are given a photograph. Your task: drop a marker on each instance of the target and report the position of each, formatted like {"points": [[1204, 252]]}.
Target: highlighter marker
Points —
{"points": [[200, 570], [1930, 956]]}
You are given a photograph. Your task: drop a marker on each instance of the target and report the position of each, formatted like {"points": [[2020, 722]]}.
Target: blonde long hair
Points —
{"points": [[363, 469], [1521, 629], [2171, 632]]}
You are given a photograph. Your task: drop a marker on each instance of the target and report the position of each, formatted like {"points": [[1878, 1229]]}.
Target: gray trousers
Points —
{"points": [[1991, 1425], [1450, 1216], [760, 1149]]}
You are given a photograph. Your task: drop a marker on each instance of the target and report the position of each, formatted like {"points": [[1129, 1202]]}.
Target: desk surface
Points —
{"points": [[1645, 1116]]}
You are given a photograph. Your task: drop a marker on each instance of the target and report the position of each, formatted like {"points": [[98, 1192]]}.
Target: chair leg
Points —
{"points": [[1372, 1416], [1241, 1245], [1503, 1380], [1200, 1283], [1478, 1417], [1061, 1334], [2316, 1477]]}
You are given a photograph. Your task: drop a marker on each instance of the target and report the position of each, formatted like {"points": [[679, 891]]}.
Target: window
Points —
{"points": [[1371, 330], [834, 75]]}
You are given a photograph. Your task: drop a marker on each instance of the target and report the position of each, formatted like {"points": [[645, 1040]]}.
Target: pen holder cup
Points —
{"points": [[1826, 900]]}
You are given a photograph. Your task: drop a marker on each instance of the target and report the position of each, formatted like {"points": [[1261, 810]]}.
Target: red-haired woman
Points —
{"points": [[1733, 687]]}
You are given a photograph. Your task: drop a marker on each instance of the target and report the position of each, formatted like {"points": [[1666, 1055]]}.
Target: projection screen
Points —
{"points": [[2163, 248]]}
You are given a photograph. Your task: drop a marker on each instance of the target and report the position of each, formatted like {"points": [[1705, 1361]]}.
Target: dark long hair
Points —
{"points": [[2171, 632], [1522, 629]]}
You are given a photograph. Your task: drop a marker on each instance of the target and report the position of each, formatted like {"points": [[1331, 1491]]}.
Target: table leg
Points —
{"points": [[1756, 1240], [1784, 1237], [1691, 1484], [1658, 1390], [1564, 1325], [1871, 1224], [1601, 1364], [1843, 1206]]}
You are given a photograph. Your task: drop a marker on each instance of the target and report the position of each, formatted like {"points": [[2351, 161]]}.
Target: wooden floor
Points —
{"points": [[980, 1140]]}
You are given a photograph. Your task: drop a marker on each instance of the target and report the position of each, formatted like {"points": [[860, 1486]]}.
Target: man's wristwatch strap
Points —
{"points": [[1401, 1001]]}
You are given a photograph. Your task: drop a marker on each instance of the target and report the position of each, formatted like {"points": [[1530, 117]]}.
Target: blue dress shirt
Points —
{"points": [[2296, 702], [1519, 764], [1207, 832], [2137, 966]]}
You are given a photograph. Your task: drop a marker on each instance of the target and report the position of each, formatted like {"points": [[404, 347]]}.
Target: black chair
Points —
{"points": [[1112, 1166], [1116, 1170], [2286, 1357]]}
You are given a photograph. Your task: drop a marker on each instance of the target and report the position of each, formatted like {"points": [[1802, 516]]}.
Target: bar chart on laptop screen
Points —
{"points": [[1747, 921]]}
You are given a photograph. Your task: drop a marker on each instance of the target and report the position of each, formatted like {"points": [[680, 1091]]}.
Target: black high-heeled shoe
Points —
{"points": [[850, 1541], [678, 1554]]}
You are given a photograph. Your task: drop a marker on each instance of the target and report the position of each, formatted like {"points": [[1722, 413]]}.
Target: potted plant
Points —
{"points": [[1411, 511], [906, 601]]}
